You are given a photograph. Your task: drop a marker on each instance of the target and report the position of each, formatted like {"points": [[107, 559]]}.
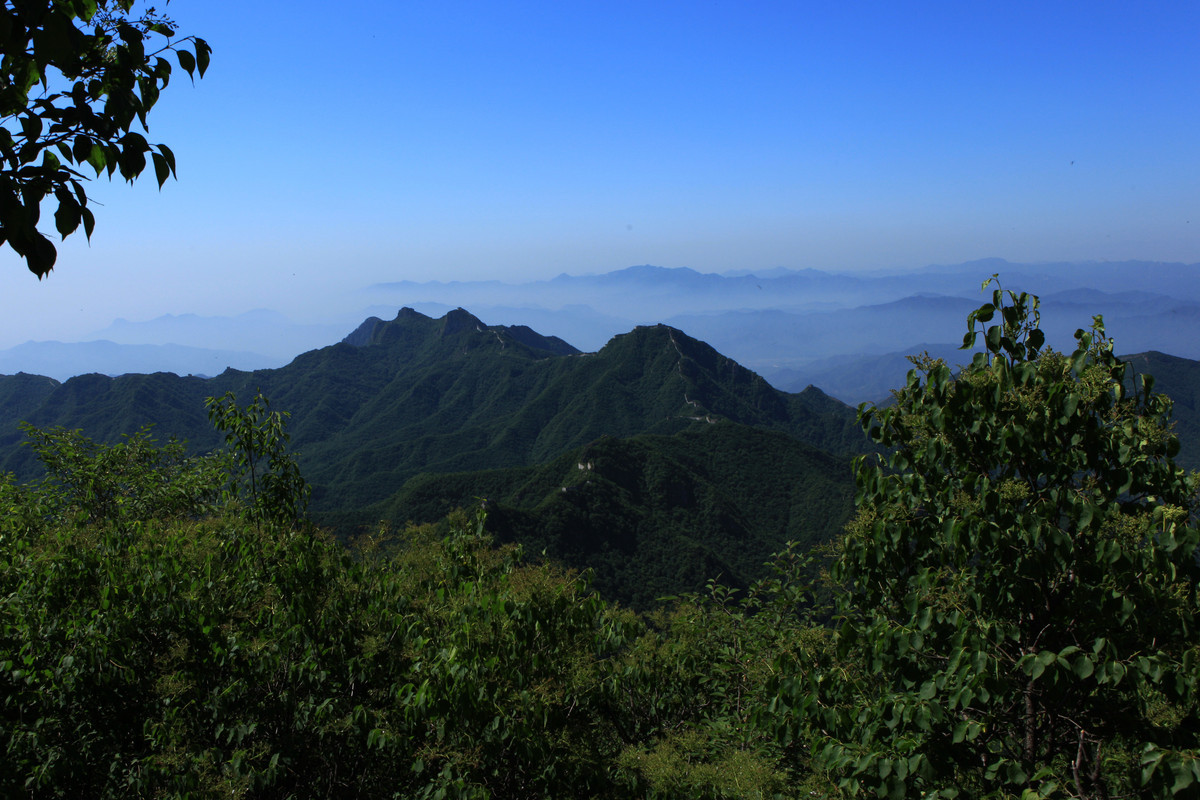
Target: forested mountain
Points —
{"points": [[653, 513], [656, 461], [724, 470]]}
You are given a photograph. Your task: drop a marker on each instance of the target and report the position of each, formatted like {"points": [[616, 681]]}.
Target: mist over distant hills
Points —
{"points": [[61, 360], [186, 344], [847, 333], [263, 331]]}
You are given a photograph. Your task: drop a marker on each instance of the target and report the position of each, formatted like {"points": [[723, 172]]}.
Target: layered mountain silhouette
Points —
{"points": [[692, 464], [844, 332]]}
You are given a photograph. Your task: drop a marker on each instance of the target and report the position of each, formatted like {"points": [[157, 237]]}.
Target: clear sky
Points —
{"points": [[332, 146]]}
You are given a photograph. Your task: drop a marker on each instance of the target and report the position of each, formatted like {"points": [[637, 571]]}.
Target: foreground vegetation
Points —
{"points": [[1012, 613]]}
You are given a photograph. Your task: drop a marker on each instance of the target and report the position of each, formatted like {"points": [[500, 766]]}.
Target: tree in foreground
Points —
{"points": [[1020, 583], [76, 76]]}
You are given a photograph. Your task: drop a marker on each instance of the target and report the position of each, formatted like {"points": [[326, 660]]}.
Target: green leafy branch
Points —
{"points": [[97, 79], [265, 472]]}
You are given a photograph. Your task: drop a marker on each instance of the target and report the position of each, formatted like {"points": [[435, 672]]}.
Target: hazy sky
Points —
{"points": [[332, 146]]}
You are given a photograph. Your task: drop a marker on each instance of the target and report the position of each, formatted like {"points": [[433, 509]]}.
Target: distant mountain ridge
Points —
{"points": [[778, 322], [375, 331], [61, 360]]}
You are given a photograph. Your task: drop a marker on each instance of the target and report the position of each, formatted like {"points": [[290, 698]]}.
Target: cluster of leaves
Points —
{"points": [[264, 472], [133, 480], [1018, 592], [76, 76], [705, 676]]}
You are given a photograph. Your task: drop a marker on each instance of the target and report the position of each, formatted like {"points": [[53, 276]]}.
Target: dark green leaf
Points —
{"points": [[162, 169], [187, 61], [994, 335], [31, 126], [68, 216], [203, 54], [169, 155]]}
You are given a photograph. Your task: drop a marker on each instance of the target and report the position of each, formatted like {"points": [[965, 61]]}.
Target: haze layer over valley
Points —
{"points": [[847, 333]]}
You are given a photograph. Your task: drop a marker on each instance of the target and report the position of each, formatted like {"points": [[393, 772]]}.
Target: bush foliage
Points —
{"points": [[156, 644]]}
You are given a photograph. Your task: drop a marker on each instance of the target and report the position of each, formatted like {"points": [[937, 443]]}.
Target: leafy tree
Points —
{"points": [[219, 658], [1020, 584], [76, 76], [134, 479], [264, 470]]}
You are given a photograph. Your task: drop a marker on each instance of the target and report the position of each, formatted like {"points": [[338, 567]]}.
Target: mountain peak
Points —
{"points": [[414, 328], [407, 325], [460, 320], [364, 334]]}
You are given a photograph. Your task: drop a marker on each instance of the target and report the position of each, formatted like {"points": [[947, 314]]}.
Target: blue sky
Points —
{"points": [[334, 146]]}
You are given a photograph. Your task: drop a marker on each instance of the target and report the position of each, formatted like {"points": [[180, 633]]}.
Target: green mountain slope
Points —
{"points": [[653, 514], [20, 394]]}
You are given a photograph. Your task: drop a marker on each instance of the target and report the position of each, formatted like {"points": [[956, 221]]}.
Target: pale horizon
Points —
{"points": [[518, 142]]}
